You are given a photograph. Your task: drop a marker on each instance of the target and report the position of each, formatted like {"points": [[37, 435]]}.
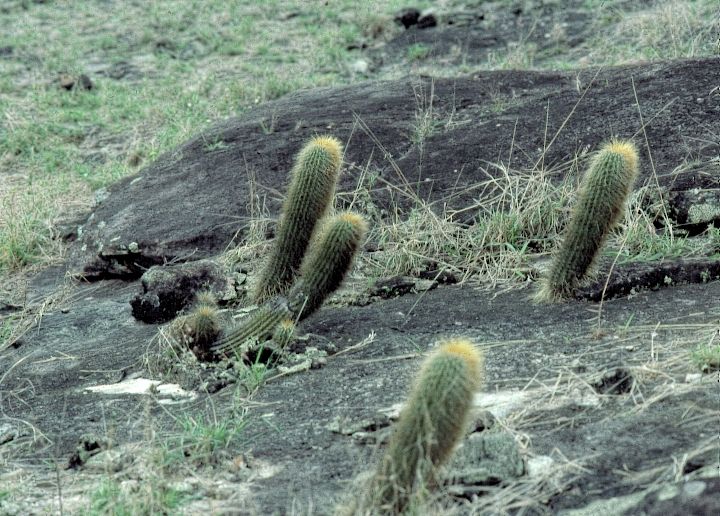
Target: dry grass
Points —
{"points": [[60, 145], [517, 215], [30, 211], [666, 30]]}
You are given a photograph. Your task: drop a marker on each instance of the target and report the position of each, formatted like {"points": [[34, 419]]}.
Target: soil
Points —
{"points": [[603, 398]]}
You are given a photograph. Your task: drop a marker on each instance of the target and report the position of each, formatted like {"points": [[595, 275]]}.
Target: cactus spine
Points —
{"points": [[309, 197], [283, 334], [430, 426], [202, 323], [601, 199], [258, 327], [329, 259]]}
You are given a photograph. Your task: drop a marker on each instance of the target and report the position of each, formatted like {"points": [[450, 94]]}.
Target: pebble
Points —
{"points": [[360, 66]]}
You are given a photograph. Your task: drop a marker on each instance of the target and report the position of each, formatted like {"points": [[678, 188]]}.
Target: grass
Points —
{"points": [[160, 75], [163, 72], [113, 497], [707, 358], [202, 442], [417, 52], [517, 215], [154, 484]]}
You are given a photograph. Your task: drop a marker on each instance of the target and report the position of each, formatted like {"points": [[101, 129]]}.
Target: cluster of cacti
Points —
{"points": [[430, 426], [601, 200], [309, 198], [319, 249]]}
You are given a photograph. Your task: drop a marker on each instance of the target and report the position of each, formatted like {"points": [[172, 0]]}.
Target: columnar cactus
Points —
{"points": [[430, 426], [309, 197], [257, 327], [328, 260], [601, 199]]}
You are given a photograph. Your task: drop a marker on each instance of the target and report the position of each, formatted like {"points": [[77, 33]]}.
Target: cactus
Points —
{"points": [[308, 199], [328, 260], [283, 334], [205, 298], [200, 327], [603, 192], [430, 426], [203, 325], [258, 326]]}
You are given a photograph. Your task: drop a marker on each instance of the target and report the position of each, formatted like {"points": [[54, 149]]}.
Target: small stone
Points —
{"points": [[110, 461], [694, 488], [84, 82], [69, 82], [427, 21], [667, 492], [407, 17], [693, 378], [487, 458], [359, 66], [66, 81], [539, 466], [619, 381]]}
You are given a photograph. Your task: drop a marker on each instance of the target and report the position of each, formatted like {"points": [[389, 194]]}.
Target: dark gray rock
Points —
{"points": [[168, 289], [194, 200]]}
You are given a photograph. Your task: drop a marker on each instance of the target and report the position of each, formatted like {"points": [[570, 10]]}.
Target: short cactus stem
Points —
{"points": [[309, 198], [200, 327], [601, 201], [328, 260]]}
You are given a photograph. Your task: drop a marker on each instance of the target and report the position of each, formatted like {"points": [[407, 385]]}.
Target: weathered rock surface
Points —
{"points": [[193, 201], [166, 290]]}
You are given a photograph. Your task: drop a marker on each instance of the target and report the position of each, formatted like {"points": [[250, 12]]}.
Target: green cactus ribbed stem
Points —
{"points": [[309, 197], [431, 424], [328, 260], [601, 200], [259, 325]]}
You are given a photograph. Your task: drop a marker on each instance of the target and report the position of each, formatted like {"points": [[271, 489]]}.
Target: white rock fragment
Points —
{"points": [[146, 386]]}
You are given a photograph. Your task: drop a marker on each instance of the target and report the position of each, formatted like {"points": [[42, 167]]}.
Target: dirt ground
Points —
{"points": [[602, 401]]}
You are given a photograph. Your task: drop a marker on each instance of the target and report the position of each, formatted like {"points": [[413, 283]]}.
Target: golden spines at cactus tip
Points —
{"points": [[284, 333]]}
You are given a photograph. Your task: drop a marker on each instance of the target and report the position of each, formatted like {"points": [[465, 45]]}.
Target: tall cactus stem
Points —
{"points": [[430, 426], [309, 198]]}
